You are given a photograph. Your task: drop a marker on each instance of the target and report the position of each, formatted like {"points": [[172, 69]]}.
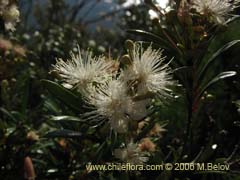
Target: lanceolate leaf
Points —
{"points": [[236, 17], [152, 37], [64, 95], [63, 133], [66, 118], [8, 114], [101, 149], [220, 76], [214, 56], [160, 41]]}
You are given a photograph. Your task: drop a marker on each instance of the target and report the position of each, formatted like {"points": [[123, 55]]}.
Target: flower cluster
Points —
{"points": [[9, 13], [120, 95], [217, 11]]}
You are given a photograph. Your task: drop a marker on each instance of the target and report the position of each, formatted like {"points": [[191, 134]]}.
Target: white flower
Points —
{"points": [[148, 72], [110, 101], [131, 154], [83, 69], [10, 15], [217, 10]]}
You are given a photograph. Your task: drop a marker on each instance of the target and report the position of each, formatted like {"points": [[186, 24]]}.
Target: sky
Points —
{"points": [[104, 6]]}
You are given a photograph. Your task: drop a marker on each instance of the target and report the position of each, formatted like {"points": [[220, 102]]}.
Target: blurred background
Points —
{"points": [[50, 29]]}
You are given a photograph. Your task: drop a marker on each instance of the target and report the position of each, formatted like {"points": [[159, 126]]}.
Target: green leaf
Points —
{"points": [[237, 103], [63, 133], [100, 151], [214, 56], [52, 106], [220, 76], [168, 45], [114, 137], [231, 20], [64, 95], [66, 118], [152, 37], [8, 114]]}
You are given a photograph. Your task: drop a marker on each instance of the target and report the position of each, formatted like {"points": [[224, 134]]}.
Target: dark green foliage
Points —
{"points": [[42, 120]]}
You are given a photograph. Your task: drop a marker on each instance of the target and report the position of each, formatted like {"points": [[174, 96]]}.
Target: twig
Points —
{"points": [[233, 153], [198, 155], [76, 10], [90, 9]]}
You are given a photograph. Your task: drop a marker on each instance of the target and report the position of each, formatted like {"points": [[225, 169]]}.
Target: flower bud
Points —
{"points": [[29, 169], [129, 45], [32, 136], [183, 13], [126, 60], [4, 83], [147, 145]]}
